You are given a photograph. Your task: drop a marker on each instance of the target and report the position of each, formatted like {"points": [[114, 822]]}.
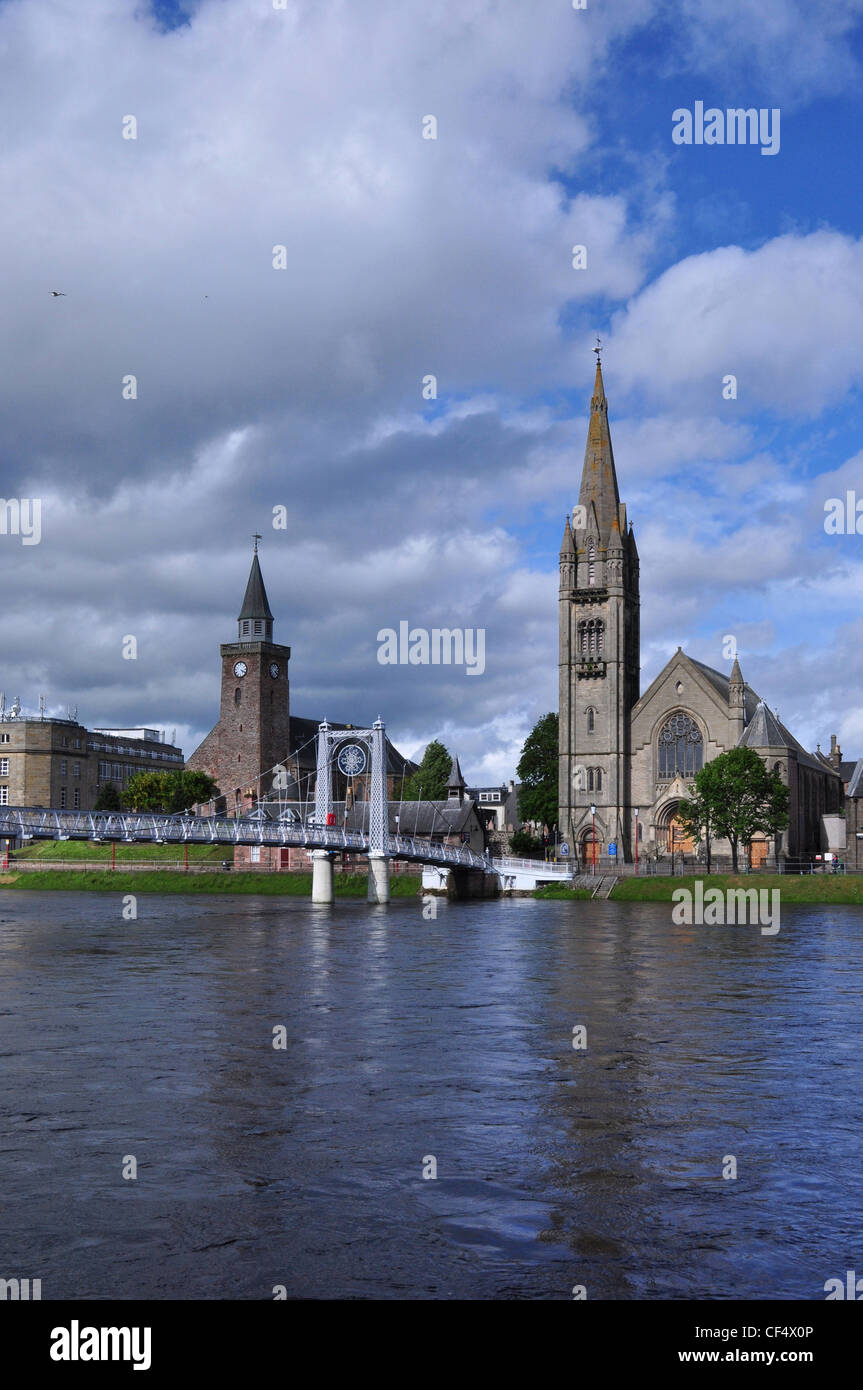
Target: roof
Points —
{"points": [[846, 770], [855, 786], [255, 603], [765, 730], [598, 477], [721, 684], [455, 777]]}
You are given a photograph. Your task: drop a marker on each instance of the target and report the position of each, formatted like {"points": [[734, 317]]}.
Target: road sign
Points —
{"points": [[612, 848], [564, 850]]}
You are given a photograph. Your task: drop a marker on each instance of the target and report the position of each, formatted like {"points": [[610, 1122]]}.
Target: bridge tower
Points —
{"points": [[354, 742]]}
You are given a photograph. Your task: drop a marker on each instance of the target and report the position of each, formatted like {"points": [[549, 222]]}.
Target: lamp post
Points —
{"points": [[593, 833], [636, 839]]}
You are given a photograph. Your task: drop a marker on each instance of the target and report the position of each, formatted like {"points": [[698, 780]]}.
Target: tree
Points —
{"points": [[735, 798], [529, 846], [538, 773], [108, 798], [168, 792], [429, 782]]}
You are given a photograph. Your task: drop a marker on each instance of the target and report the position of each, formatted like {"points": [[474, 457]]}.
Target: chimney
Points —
{"points": [[835, 751]]}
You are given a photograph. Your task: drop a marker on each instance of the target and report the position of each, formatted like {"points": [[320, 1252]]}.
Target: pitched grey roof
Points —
{"points": [[455, 777], [765, 731], [721, 685], [846, 770], [855, 786], [255, 603]]}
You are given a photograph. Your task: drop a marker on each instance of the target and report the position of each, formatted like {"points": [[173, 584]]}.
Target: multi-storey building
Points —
{"points": [[61, 764]]}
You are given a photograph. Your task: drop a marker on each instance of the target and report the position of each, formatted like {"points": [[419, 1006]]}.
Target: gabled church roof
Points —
{"points": [[255, 603], [855, 786]]}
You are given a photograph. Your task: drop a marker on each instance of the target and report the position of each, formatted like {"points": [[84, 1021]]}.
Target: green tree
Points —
{"points": [[108, 798], [168, 792], [528, 846], [735, 798], [538, 773], [429, 781]]}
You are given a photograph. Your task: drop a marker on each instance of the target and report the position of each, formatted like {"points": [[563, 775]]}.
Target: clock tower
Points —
{"points": [[254, 729]]}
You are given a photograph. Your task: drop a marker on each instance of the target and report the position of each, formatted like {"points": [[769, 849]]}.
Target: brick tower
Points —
{"points": [[254, 730]]}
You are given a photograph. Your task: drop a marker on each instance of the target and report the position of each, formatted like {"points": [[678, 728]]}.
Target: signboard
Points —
{"points": [[612, 848], [564, 850]]}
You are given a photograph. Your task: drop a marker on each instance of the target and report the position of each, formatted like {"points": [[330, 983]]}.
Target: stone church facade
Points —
{"points": [[630, 756]]}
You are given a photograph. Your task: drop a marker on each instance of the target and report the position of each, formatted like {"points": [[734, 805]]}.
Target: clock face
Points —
{"points": [[240, 668], [274, 670]]}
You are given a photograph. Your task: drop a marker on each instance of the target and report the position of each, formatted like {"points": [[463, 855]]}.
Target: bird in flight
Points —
{"points": [[59, 294]]}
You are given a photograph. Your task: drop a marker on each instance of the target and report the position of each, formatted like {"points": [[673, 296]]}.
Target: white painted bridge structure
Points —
{"points": [[272, 824]]}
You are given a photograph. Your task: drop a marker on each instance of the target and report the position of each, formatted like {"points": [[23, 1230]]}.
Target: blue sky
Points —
{"points": [[258, 387]]}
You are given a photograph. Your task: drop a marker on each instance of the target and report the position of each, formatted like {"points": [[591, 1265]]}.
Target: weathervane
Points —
{"points": [[598, 349], [256, 537]]}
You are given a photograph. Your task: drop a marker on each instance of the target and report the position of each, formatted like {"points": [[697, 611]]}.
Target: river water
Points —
{"points": [[409, 1040]]}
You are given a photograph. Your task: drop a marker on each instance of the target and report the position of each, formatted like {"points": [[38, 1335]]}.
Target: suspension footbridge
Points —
{"points": [[274, 824]]}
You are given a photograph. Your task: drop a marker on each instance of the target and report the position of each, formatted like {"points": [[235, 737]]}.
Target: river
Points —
{"points": [[414, 1044]]}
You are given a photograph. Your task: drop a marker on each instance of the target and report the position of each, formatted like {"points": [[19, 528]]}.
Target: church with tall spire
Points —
{"points": [[627, 759]]}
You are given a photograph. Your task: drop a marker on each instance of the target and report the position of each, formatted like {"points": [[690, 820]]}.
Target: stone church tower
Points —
{"points": [[598, 608], [254, 730]]}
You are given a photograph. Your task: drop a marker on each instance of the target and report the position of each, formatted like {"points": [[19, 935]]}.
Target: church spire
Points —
{"points": [[255, 622], [598, 478]]}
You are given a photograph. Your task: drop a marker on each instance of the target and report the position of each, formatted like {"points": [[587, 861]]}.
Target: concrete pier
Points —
{"points": [[379, 878], [322, 877]]}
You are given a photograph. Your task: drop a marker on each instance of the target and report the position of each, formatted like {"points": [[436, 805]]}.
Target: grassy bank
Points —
{"points": [[794, 888], [559, 890], [162, 881], [88, 851]]}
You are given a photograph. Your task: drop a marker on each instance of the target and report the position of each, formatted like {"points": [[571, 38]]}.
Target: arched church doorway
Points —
{"points": [[591, 848], [670, 833]]}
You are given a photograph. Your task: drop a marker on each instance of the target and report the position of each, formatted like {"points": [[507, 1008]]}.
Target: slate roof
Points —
{"points": [[255, 603], [855, 786], [764, 730]]}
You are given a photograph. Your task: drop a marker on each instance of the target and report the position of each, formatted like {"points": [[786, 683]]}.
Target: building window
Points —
{"points": [[680, 747], [77, 743], [76, 769], [4, 738], [62, 798], [77, 799], [4, 767], [591, 562], [255, 856], [4, 796], [63, 767], [238, 695], [591, 637], [245, 629], [591, 720], [257, 625]]}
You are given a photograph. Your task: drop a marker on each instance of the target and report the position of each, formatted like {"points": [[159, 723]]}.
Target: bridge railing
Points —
{"points": [[150, 828]]}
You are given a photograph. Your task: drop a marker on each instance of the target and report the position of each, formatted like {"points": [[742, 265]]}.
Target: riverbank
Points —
{"points": [[793, 888], [166, 881]]}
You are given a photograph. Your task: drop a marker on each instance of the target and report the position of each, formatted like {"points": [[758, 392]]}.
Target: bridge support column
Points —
{"points": [[379, 878], [323, 890]]}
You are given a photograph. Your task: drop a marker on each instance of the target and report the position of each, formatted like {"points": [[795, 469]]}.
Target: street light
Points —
{"points": [[636, 839], [593, 832]]}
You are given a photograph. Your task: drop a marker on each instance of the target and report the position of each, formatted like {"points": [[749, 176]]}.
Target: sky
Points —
{"points": [[300, 388]]}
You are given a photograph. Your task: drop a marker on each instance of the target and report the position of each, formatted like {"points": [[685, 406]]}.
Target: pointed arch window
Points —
{"points": [[591, 561], [591, 637], [591, 721], [681, 748]]}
